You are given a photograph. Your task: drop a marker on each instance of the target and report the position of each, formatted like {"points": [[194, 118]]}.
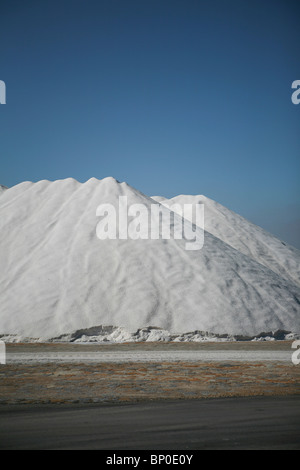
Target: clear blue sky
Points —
{"points": [[172, 96]]}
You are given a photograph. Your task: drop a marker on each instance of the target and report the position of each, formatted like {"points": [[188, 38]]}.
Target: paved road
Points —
{"points": [[149, 356], [232, 423]]}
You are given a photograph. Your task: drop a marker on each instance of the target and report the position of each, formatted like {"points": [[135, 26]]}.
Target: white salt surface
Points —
{"points": [[244, 236]]}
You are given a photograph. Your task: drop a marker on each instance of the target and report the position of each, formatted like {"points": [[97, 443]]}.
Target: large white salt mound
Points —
{"points": [[244, 236], [57, 277]]}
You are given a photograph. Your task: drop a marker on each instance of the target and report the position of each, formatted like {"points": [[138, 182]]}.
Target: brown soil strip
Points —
{"points": [[129, 382]]}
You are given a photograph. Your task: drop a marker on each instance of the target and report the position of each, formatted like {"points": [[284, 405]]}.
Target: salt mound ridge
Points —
{"points": [[57, 277], [110, 334]]}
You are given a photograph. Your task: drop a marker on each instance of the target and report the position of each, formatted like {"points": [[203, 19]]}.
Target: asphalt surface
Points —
{"points": [[230, 423], [148, 356]]}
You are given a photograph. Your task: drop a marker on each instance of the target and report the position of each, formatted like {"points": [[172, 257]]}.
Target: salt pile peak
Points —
{"points": [[244, 236]]}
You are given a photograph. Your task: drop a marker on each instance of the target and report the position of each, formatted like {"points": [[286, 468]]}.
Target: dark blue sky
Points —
{"points": [[172, 96]]}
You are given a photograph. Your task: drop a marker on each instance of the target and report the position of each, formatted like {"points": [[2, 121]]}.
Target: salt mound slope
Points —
{"points": [[58, 277], [244, 236]]}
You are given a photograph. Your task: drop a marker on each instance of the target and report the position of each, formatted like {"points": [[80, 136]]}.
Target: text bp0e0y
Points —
{"points": [[153, 459]]}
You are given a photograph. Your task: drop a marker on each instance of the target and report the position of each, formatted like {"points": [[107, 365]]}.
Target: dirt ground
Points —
{"points": [[132, 382]]}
